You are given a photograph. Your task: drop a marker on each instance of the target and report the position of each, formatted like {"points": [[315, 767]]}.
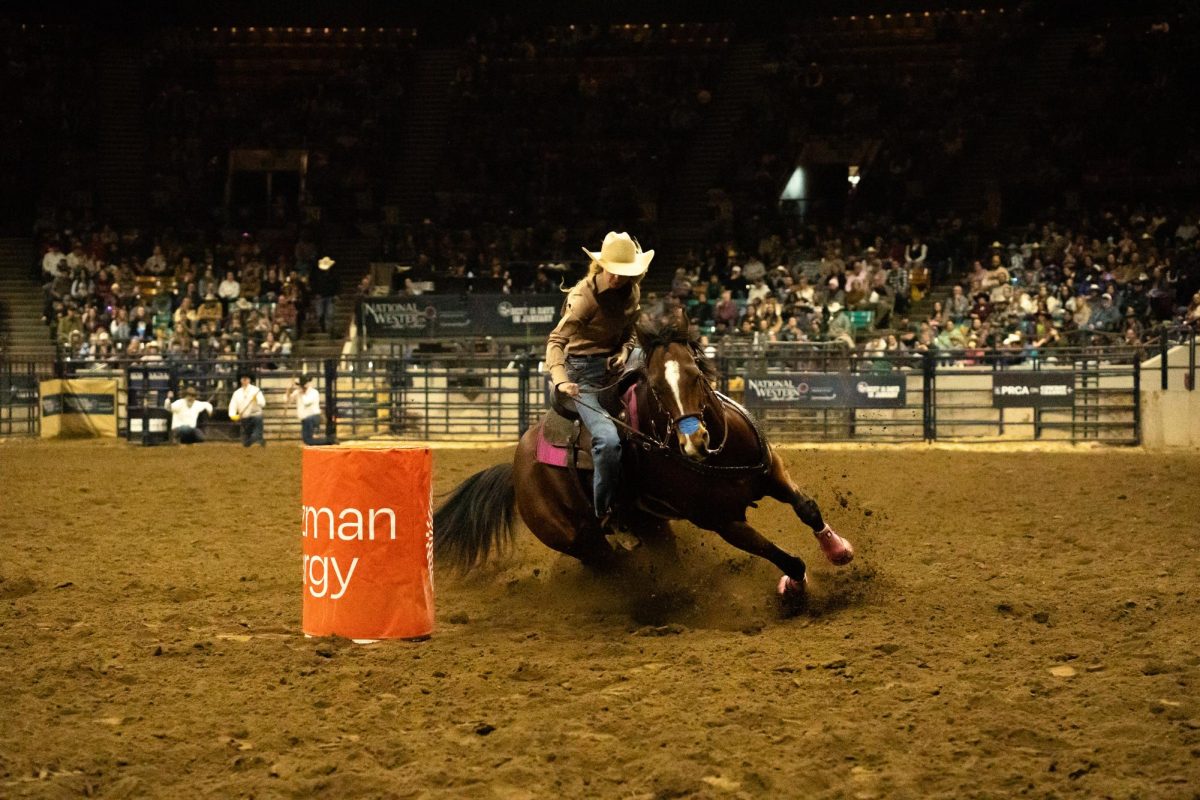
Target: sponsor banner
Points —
{"points": [[437, 316], [825, 390], [366, 524], [80, 407], [1036, 389]]}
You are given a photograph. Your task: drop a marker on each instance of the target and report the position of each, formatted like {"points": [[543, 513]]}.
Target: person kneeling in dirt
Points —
{"points": [[308, 409], [185, 416]]}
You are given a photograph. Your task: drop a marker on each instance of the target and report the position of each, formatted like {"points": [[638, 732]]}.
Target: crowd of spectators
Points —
{"points": [[118, 295], [1115, 279], [595, 120]]}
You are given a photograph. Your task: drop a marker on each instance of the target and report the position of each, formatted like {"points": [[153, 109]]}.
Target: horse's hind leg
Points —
{"points": [[546, 500], [784, 489]]}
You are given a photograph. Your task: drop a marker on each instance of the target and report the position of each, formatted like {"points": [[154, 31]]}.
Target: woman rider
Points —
{"points": [[591, 343]]}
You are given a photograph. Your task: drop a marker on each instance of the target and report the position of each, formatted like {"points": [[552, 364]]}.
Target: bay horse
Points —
{"points": [[669, 471]]}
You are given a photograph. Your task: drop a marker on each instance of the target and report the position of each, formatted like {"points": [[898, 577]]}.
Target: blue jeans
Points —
{"points": [[308, 430], [188, 435], [591, 372], [325, 313], [252, 431]]}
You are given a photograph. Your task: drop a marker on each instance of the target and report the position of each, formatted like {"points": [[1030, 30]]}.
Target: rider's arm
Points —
{"points": [[575, 314]]}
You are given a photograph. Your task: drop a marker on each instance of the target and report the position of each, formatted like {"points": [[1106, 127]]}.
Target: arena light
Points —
{"points": [[854, 176], [796, 186]]}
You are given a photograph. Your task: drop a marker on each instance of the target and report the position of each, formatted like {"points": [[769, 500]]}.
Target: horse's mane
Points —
{"points": [[653, 337]]}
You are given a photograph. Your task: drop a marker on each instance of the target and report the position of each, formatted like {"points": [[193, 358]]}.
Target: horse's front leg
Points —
{"points": [[739, 534], [784, 489]]}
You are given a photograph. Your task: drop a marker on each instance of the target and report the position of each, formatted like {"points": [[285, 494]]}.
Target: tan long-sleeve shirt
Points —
{"points": [[593, 323]]}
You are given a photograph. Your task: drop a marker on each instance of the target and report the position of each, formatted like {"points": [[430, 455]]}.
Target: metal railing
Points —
{"points": [[939, 395], [946, 395]]}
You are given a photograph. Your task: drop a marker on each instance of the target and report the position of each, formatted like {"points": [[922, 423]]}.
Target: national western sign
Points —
{"points": [[822, 390], [437, 315], [1036, 389]]}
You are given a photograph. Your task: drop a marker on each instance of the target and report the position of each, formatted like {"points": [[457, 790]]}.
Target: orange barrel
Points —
{"points": [[367, 527]]}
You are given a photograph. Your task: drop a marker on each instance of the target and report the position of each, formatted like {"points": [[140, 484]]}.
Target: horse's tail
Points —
{"points": [[478, 518]]}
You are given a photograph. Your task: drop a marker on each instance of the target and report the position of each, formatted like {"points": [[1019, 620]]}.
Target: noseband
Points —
{"points": [[687, 424]]}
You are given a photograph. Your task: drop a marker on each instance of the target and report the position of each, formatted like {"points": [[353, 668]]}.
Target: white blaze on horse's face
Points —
{"points": [[694, 444]]}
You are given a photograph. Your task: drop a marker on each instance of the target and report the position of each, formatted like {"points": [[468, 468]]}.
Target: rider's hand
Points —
{"points": [[617, 363], [569, 388]]}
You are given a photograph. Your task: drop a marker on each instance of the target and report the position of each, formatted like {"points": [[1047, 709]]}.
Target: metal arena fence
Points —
{"points": [[800, 392]]}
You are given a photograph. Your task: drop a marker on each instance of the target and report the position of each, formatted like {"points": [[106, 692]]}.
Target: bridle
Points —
{"points": [[674, 422], [677, 424]]}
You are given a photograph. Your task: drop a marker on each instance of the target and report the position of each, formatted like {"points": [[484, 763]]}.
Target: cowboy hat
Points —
{"points": [[325, 263], [621, 255]]}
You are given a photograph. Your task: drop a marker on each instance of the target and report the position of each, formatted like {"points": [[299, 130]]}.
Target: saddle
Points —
{"points": [[562, 438]]}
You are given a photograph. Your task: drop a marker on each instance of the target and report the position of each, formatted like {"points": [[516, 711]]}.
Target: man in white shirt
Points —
{"points": [[759, 291], [229, 290], [185, 416], [246, 408], [54, 263], [308, 409]]}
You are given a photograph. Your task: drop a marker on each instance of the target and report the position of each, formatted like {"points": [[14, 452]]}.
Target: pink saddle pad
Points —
{"points": [[556, 456], [548, 453]]}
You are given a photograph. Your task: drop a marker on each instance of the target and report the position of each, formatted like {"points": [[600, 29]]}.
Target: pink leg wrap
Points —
{"points": [[835, 548]]}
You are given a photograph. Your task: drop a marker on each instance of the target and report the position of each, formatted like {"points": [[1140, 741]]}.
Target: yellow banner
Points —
{"points": [[82, 407]]}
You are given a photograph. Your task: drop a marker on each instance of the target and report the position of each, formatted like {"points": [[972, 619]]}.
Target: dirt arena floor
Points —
{"points": [[1013, 625]]}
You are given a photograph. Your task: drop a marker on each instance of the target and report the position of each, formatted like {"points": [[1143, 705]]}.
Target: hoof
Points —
{"points": [[790, 589], [836, 549]]}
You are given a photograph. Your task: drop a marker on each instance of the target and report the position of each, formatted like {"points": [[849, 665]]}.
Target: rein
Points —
{"points": [[660, 446]]}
